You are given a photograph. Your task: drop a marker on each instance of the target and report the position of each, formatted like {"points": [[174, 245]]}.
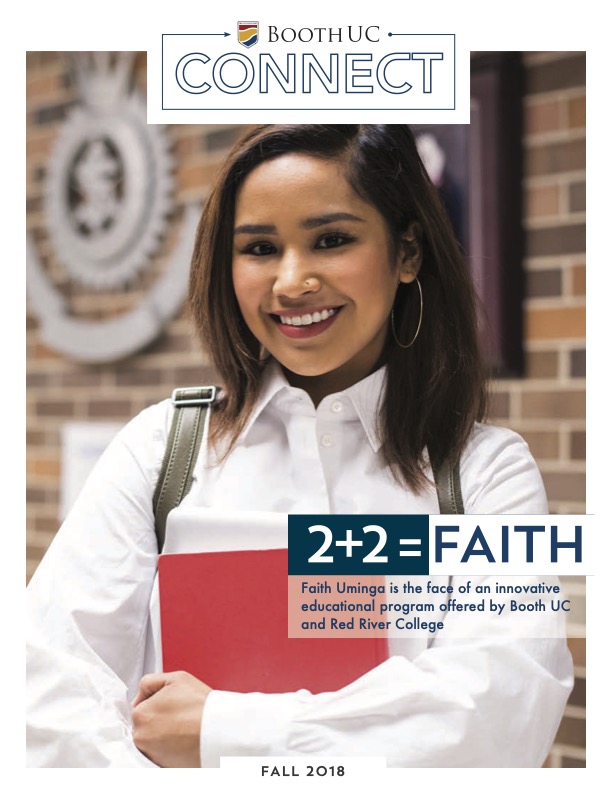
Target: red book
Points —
{"points": [[224, 619]]}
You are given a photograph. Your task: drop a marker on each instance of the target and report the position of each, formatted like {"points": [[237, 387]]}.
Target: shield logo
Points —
{"points": [[248, 33]]}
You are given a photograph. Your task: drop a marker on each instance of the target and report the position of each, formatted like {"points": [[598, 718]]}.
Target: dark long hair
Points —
{"points": [[435, 390]]}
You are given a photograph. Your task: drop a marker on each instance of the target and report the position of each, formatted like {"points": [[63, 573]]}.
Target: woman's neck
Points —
{"points": [[322, 385]]}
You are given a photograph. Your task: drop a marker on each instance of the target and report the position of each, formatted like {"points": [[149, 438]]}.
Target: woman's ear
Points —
{"points": [[411, 253]]}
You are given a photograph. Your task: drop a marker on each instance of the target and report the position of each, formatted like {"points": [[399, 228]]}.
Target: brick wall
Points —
{"points": [[547, 406]]}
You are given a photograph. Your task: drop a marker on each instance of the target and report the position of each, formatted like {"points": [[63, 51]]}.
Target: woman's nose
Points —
{"points": [[294, 277]]}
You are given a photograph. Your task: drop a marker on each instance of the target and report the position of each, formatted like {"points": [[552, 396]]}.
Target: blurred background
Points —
{"points": [[110, 211]]}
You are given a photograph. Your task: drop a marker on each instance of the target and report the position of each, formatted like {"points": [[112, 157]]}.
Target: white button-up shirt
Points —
{"points": [[472, 696]]}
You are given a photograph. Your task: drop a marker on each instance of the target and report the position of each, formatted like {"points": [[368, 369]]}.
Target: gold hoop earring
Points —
{"points": [[414, 338]]}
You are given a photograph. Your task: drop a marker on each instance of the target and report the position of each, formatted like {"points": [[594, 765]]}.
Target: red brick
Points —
{"points": [[35, 437], [548, 323], [35, 495], [193, 375], [35, 554], [552, 158], [542, 365], [543, 445], [46, 525], [111, 408], [556, 240], [32, 322], [41, 85], [187, 146], [544, 283], [572, 732], [565, 486], [542, 116], [542, 201], [577, 647], [44, 467], [578, 363], [579, 280], [38, 379], [578, 445], [568, 71], [553, 404], [170, 343], [82, 378], [499, 405], [220, 139], [196, 176], [35, 59], [577, 197], [56, 409], [572, 761], [577, 112], [578, 695], [138, 376], [44, 352], [40, 147]]}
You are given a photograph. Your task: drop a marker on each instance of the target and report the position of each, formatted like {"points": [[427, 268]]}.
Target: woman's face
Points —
{"points": [[314, 272]]}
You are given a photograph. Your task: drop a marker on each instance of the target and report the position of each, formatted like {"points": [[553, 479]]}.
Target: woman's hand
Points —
{"points": [[167, 715]]}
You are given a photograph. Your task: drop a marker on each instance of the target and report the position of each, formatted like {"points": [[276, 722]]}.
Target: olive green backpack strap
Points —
{"points": [[448, 488], [189, 425]]}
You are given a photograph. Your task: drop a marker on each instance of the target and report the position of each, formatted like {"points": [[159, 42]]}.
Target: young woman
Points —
{"points": [[338, 310]]}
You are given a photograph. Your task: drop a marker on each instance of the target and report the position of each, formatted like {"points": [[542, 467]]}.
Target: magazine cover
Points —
{"points": [[306, 400]]}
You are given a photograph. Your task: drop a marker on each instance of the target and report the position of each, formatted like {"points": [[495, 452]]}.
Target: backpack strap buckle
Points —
{"points": [[194, 397]]}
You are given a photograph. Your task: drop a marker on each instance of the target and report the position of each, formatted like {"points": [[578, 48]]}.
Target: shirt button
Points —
{"points": [[327, 441], [336, 406]]}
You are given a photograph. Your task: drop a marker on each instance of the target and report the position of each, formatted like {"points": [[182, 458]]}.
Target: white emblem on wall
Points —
{"points": [[107, 198]]}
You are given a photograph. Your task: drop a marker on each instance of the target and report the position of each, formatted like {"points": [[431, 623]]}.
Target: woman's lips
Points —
{"points": [[312, 323]]}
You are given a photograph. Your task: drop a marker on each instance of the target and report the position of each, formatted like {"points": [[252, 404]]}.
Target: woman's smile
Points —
{"points": [[302, 323]]}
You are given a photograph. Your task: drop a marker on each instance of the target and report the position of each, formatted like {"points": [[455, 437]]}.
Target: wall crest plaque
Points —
{"points": [[108, 196]]}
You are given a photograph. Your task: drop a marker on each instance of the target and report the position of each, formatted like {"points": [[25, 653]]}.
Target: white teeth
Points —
{"points": [[306, 319]]}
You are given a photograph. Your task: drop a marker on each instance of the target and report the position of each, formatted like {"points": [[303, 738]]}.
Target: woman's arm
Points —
{"points": [[463, 702], [469, 700], [88, 610]]}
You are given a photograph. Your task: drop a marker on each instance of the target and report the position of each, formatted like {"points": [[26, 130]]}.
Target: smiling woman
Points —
{"points": [[342, 218], [328, 287]]}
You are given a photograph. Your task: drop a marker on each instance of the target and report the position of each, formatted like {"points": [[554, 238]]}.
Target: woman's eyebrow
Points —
{"points": [[255, 229], [309, 222], [332, 217]]}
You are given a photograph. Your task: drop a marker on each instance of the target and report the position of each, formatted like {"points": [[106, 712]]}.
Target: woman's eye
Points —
{"points": [[333, 241], [260, 249]]}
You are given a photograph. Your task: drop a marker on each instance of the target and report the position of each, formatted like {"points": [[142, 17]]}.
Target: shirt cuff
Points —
{"points": [[245, 724]]}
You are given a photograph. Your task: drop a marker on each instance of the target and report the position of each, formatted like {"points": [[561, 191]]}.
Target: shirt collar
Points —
{"points": [[273, 382], [365, 397]]}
